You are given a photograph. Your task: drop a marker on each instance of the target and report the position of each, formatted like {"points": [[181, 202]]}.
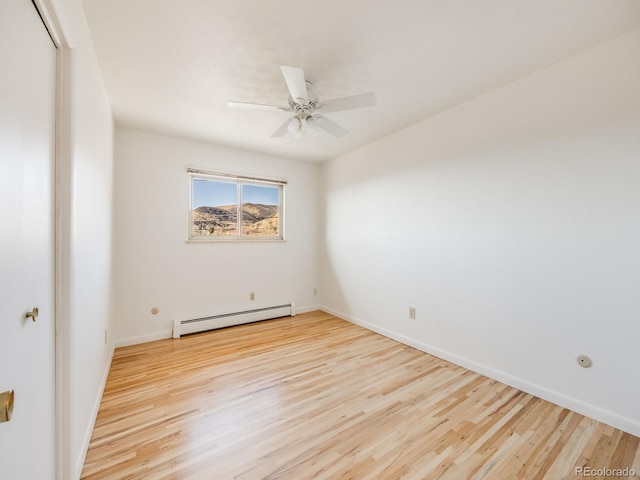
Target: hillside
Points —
{"points": [[257, 219]]}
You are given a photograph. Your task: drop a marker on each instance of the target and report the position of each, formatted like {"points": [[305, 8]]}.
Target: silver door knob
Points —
{"points": [[33, 314]]}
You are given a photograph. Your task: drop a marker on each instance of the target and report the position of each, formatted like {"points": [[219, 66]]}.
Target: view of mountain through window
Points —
{"points": [[215, 209]]}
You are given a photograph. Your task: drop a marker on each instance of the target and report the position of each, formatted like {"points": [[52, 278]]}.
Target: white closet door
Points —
{"points": [[27, 248]]}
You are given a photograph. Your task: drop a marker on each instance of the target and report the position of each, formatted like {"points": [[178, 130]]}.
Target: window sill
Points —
{"points": [[237, 240]]}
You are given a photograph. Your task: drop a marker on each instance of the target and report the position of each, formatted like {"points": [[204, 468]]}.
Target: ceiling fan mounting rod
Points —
{"points": [[304, 105]]}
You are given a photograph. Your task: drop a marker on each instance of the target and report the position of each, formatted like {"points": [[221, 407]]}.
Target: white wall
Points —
{"points": [[511, 223], [156, 267], [85, 222], [90, 314]]}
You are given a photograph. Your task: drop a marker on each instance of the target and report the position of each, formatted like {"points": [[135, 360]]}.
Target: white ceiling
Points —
{"points": [[171, 65]]}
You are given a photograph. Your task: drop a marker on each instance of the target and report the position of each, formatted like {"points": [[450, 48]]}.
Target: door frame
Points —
{"points": [[62, 224]]}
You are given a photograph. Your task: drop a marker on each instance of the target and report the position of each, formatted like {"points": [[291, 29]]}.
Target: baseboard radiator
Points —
{"points": [[228, 319]]}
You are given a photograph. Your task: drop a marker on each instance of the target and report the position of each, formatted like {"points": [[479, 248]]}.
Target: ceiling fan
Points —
{"points": [[307, 109]]}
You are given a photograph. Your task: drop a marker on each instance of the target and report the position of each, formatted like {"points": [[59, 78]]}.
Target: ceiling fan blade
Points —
{"points": [[348, 103], [294, 76], [330, 126], [282, 131], [255, 106]]}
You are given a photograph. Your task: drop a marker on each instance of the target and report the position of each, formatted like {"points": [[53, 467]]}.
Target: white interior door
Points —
{"points": [[27, 219]]}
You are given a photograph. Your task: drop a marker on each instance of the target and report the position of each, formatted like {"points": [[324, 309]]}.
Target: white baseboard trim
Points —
{"points": [[149, 337], [310, 308], [94, 416], [592, 411], [152, 337]]}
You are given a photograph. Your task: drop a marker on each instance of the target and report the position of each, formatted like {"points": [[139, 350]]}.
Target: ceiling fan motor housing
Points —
{"points": [[304, 110]]}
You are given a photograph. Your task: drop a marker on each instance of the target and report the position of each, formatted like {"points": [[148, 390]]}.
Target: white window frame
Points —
{"points": [[239, 180]]}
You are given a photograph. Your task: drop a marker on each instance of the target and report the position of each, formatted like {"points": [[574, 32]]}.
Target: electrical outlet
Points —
{"points": [[412, 313], [315, 292], [105, 337], [252, 296]]}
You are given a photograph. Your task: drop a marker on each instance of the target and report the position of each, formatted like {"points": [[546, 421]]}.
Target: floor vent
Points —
{"points": [[228, 319]]}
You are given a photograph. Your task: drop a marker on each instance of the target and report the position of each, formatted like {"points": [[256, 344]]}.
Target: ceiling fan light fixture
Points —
{"points": [[312, 127], [294, 126]]}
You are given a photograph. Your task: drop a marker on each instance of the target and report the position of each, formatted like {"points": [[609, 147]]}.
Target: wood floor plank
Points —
{"points": [[313, 396]]}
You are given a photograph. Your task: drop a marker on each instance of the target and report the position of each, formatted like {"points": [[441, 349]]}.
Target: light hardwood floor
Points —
{"points": [[316, 397]]}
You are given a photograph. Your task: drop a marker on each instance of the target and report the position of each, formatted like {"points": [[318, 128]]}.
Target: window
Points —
{"points": [[230, 207]]}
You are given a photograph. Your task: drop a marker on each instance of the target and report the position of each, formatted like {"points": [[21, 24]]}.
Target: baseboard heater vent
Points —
{"points": [[221, 320]]}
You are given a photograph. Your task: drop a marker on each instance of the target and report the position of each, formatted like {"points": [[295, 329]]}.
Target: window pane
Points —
{"points": [[260, 210], [215, 208]]}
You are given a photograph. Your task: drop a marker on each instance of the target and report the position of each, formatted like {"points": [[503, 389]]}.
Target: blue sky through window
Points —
{"points": [[210, 193], [260, 194], [214, 193]]}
